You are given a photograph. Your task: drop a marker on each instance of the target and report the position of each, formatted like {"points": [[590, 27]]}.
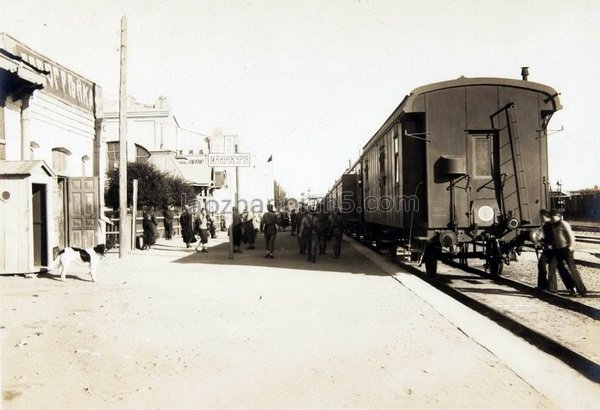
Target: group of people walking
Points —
{"points": [[202, 225], [244, 228], [313, 228], [558, 244]]}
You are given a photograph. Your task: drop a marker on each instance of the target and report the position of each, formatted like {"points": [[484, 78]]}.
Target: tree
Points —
{"points": [[280, 194], [155, 187]]}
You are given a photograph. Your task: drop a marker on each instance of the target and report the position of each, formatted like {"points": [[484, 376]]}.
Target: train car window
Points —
{"points": [[382, 176], [482, 156], [396, 165]]}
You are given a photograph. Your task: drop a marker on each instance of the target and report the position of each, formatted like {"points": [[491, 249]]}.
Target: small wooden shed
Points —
{"points": [[25, 216]]}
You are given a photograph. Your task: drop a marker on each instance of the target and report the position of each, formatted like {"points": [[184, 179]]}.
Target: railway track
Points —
{"points": [[479, 281], [503, 300], [587, 239]]}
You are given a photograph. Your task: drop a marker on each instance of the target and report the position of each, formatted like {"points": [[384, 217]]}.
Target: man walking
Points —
{"points": [[168, 214], [309, 232], [336, 225], [269, 226], [187, 226], [564, 246], [323, 217], [300, 217]]}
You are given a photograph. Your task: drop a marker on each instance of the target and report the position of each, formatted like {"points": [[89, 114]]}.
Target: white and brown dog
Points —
{"points": [[90, 256]]}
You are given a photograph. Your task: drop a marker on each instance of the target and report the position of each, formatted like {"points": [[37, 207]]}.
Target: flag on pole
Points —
{"points": [[270, 158]]}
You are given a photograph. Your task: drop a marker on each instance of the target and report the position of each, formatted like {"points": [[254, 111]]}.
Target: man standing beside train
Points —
{"points": [[564, 247], [336, 225]]}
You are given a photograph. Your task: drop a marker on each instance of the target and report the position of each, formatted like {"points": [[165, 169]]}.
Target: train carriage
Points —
{"points": [[459, 165]]}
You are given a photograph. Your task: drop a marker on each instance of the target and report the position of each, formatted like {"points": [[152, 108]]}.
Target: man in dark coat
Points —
{"points": [[186, 220], [168, 214], [336, 227], [149, 226]]}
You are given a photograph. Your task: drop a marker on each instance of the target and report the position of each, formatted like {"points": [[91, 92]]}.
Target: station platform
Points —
{"points": [[170, 327]]}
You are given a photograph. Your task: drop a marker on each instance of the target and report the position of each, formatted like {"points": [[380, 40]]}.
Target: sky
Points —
{"points": [[310, 81]]}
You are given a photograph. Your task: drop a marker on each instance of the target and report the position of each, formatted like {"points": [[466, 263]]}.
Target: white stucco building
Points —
{"points": [[49, 138]]}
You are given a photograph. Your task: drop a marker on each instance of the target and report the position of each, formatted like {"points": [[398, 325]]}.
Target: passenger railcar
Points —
{"points": [[458, 170]]}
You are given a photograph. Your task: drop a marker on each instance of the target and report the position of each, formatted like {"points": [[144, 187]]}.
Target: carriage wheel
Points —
{"points": [[495, 265]]}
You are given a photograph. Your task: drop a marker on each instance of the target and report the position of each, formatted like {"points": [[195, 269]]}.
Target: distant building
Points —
{"points": [[583, 205], [153, 134], [49, 138]]}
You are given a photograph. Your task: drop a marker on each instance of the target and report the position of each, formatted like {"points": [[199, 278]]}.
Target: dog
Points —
{"points": [[92, 256]]}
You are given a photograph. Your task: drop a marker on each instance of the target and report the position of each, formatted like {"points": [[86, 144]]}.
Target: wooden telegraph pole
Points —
{"points": [[123, 242]]}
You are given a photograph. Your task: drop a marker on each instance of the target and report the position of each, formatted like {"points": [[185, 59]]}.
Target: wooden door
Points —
{"points": [[40, 227], [83, 211]]}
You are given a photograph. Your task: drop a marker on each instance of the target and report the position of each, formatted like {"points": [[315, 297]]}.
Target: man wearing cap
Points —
{"points": [[564, 246]]}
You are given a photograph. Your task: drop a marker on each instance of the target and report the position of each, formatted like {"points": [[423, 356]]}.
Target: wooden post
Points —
{"points": [[123, 143], [134, 214]]}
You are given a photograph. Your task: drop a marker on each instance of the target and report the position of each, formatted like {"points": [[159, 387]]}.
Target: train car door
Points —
{"points": [[481, 169], [83, 211]]}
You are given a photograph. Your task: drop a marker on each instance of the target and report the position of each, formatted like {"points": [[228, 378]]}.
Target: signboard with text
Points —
{"points": [[229, 160], [61, 83]]}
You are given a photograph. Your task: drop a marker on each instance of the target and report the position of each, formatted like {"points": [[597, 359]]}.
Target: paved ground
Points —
{"points": [[171, 328]]}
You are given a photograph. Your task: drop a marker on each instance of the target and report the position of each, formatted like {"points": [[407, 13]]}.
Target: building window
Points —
{"points": [[33, 147], [112, 155], [482, 156], [141, 154], [382, 176], [60, 160]]}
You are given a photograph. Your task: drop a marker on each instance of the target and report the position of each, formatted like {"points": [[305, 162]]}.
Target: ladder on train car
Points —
{"points": [[512, 123]]}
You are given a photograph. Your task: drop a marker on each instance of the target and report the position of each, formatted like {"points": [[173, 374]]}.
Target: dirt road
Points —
{"points": [[172, 328]]}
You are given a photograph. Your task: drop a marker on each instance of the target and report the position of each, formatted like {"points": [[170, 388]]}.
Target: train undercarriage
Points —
{"points": [[496, 250]]}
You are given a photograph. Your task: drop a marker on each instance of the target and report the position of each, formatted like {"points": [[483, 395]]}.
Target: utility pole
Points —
{"points": [[123, 242]]}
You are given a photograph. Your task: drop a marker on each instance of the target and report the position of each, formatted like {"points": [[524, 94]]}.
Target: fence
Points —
{"points": [[112, 231]]}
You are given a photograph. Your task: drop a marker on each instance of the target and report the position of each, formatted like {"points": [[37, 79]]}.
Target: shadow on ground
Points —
{"points": [[286, 256]]}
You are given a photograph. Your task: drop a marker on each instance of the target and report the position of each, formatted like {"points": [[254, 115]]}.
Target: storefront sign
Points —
{"points": [[62, 83], [228, 160]]}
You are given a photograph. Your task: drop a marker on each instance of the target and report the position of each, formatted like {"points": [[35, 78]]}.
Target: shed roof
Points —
{"points": [[194, 174], [25, 168]]}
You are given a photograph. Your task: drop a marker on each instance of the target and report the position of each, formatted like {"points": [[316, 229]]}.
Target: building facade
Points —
{"points": [[154, 135], [50, 122]]}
